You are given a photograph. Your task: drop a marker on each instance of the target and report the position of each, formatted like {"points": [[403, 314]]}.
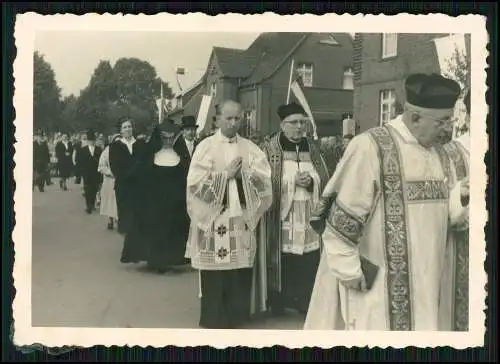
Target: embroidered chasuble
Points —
{"points": [[225, 212], [387, 202], [454, 303], [285, 228]]}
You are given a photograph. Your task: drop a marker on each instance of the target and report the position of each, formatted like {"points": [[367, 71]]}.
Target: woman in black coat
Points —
{"points": [[125, 156], [64, 154]]}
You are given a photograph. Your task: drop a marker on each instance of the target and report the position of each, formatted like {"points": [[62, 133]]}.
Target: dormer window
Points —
{"points": [[213, 89], [330, 40], [305, 70], [348, 82], [179, 102]]}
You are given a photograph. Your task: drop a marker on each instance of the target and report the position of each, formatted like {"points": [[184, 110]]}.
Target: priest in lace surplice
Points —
{"points": [[228, 190], [454, 304], [288, 265], [385, 215]]}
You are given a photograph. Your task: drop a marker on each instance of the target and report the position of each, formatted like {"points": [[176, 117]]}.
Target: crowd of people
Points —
{"points": [[373, 236]]}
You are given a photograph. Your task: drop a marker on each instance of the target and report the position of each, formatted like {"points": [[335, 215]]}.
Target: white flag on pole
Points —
{"points": [[296, 88], [161, 105], [203, 112]]}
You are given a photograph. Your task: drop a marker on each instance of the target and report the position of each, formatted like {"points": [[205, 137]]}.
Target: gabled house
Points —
{"points": [[381, 64], [258, 78], [188, 102]]}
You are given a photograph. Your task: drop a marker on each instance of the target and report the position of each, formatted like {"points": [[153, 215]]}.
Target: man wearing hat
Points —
{"points": [[455, 293], [384, 217], [186, 143], [88, 157], [299, 175]]}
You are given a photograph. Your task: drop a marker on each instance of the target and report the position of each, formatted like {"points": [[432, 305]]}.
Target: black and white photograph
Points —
{"points": [[195, 175]]}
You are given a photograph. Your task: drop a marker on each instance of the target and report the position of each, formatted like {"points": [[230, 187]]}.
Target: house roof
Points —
{"points": [[193, 105], [233, 62], [266, 55], [325, 101], [270, 50], [261, 59]]}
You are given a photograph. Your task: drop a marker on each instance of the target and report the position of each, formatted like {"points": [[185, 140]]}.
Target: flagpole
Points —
{"points": [[160, 110], [290, 82]]}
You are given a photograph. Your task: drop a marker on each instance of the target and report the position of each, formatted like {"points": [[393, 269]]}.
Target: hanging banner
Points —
{"points": [[446, 49], [203, 112], [299, 94]]}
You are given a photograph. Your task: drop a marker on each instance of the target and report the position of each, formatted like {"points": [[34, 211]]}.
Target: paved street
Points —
{"points": [[78, 279]]}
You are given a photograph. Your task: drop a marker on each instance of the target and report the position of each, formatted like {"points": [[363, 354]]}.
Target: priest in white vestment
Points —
{"points": [[454, 303], [384, 216], [228, 191]]}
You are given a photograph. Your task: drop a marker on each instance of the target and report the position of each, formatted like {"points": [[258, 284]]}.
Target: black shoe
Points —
{"points": [[61, 185], [110, 225], [89, 211]]}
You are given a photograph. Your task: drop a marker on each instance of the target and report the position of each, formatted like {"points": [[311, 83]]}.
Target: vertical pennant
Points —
{"points": [[160, 108], [299, 94]]}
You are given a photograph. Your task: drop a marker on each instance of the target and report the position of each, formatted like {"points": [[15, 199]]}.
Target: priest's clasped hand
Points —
{"points": [[234, 168], [359, 284], [303, 179]]}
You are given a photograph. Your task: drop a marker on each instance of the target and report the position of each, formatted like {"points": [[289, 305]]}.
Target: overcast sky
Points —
{"points": [[75, 54]]}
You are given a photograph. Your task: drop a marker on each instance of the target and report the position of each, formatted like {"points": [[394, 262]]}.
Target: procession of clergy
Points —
{"points": [[382, 244]]}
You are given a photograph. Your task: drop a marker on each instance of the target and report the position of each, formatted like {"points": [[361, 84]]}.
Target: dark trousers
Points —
{"points": [[39, 179], [225, 302], [90, 188], [298, 274], [47, 175]]}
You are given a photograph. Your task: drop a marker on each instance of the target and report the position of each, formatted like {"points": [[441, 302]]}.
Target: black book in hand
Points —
{"points": [[370, 272]]}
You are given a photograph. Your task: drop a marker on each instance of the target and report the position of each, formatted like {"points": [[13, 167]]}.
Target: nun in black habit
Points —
{"points": [[162, 229]]}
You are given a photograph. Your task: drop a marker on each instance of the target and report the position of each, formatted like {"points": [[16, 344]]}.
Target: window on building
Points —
{"points": [[389, 45], [348, 83], [387, 106], [213, 89], [329, 40], [305, 70], [179, 102], [250, 122]]}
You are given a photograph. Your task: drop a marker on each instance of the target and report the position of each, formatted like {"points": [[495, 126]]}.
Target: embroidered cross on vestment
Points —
{"points": [[275, 159], [222, 253], [221, 230]]}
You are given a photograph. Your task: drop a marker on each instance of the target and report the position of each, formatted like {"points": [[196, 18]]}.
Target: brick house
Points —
{"points": [[258, 78], [381, 63]]}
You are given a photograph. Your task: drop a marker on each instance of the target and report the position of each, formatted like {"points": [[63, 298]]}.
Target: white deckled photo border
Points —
{"points": [[26, 27]]}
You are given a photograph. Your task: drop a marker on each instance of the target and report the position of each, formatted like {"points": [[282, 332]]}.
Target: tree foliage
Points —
{"points": [[69, 114], [46, 96], [459, 65], [129, 88]]}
